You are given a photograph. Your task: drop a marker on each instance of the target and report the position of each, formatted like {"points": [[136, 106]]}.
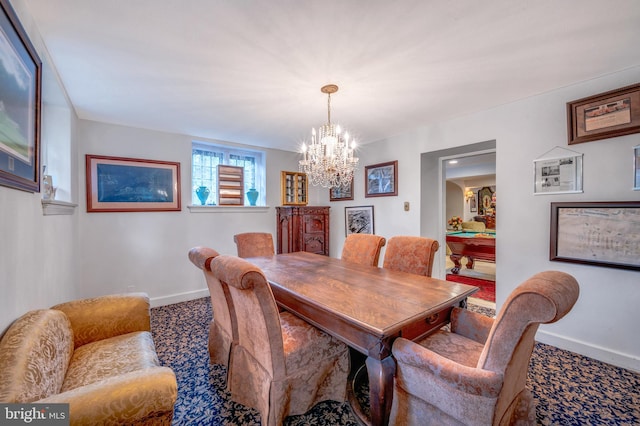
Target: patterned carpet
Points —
{"points": [[569, 389]]}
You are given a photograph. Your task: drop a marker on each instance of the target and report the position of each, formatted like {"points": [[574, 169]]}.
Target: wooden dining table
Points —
{"points": [[365, 306]]}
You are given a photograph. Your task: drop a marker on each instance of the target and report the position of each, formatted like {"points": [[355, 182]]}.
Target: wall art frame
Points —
{"points": [[381, 180], [359, 220], [558, 171], [341, 193], [473, 204], [121, 184], [20, 105], [606, 115], [596, 233], [636, 168]]}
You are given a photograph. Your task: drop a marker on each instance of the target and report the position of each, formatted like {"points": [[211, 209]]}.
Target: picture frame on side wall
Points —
{"points": [[20, 105], [636, 168], [359, 220], [119, 184], [381, 180], [559, 171], [596, 233], [341, 193], [606, 115]]}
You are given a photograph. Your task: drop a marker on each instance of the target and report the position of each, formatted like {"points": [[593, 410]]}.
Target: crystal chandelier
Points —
{"points": [[328, 160]]}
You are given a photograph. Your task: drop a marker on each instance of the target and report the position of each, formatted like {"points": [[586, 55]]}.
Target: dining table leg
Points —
{"points": [[381, 373]]}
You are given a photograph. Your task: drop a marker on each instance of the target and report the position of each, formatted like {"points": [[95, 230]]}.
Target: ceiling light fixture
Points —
{"points": [[328, 161]]}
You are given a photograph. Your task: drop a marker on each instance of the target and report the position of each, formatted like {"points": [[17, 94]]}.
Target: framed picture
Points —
{"points": [[20, 79], [341, 193], [606, 115], [473, 204], [381, 180], [116, 184], [636, 168], [485, 196], [558, 175], [596, 233], [359, 220]]}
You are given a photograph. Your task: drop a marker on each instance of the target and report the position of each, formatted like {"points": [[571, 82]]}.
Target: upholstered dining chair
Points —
{"points": [[220, 332], [410, 254], [253, 244], [362, 248], [475, 374], [280, 364]]}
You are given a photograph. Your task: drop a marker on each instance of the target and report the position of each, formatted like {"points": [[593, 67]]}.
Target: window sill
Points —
{"points": [[55, 207], [228, 209]]}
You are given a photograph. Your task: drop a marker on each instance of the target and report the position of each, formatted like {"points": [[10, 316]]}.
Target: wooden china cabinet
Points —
{"points": [[303, 228]]}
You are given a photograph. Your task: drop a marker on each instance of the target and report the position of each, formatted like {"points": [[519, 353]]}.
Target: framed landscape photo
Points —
{"points": [[606, 115], [596, 233], [359, 220], [118, 184], [381, 180], [20, 101], [341, 193]]}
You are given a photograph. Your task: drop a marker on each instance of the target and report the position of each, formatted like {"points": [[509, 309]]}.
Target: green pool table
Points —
{"points": [[472, 245]]}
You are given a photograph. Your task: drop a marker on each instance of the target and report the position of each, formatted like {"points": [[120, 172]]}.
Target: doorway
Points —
{"points": [[470, 188], [434, 199]]}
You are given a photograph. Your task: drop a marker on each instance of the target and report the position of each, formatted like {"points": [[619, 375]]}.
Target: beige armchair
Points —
{"points": [[253, 244], [280, 364], [220, 332], [95, 354], [410, 254], [476, 373], [363, 249]]}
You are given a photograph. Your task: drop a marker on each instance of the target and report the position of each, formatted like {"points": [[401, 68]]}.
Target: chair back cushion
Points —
{"points": [[544, 298], [102, 317], [254, 244], [220, 329], [34, 356], [363, 249], [258, 335], [202, 257], [410, 254]]}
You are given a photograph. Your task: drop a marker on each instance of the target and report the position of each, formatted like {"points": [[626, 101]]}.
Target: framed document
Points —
{"points": [[560, 173], [596, 233], [606, 115]]}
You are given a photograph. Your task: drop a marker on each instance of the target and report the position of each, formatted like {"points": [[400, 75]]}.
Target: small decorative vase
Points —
{"points": [[252, 196], [203, 193]]}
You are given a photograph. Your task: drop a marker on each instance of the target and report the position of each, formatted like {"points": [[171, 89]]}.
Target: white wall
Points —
{"points": [[147, 251]]}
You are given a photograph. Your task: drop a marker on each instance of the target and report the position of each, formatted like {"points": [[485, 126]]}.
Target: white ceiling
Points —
{"points": [[251, 71]]}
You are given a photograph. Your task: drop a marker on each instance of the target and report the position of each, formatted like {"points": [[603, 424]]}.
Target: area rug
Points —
{"points": [[487, 288], [568, 389]]}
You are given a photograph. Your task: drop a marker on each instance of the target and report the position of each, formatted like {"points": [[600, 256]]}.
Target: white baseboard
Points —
{"points": [[179, 297], [618, 359]]}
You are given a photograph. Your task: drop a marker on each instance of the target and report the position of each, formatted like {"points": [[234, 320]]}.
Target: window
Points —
{"points": [[204, 169]]}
